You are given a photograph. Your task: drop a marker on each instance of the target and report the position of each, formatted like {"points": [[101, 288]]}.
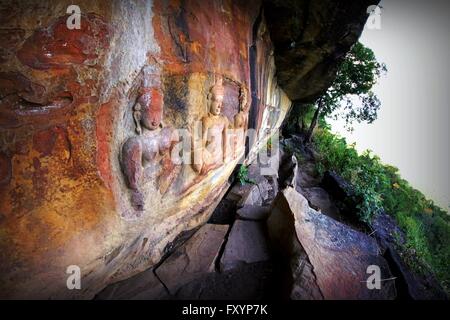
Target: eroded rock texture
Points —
{"points": [[90, 117], [339, 255], [311, 38]]}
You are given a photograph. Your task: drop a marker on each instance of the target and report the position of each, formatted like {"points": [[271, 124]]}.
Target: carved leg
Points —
{"points": [[132, 170]]}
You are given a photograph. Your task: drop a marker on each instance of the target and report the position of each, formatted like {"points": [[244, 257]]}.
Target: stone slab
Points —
{"points": [[252, 212], [246, 243]]}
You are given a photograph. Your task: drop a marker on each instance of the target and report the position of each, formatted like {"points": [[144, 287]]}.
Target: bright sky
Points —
{"points": [[412, 129]]}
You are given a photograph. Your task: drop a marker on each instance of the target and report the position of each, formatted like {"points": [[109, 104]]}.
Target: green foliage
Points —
{"points": [[336, 155], [358, 72], [351, 91], [243, 175], [378, 186]]}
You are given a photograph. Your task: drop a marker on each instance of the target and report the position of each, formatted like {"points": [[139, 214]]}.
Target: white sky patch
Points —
{"points": [[412, 130]]}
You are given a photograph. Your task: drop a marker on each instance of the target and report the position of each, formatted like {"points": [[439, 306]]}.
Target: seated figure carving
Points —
{"points": [[147, 156]]}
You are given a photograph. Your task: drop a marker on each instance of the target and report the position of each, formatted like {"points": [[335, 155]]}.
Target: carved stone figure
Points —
{"points": [[240, 122], [213, 151], [241, 118], [147, 156]]}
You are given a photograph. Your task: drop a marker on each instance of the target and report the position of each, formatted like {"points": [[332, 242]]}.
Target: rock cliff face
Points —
{"points": [[118, 136], [310, 39]]}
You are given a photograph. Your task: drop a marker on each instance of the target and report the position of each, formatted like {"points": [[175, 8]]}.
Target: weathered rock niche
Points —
{"points": [[119, 135]]}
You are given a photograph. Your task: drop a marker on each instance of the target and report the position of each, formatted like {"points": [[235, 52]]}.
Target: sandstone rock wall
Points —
{"points": [[311, 38], [90, 119]]}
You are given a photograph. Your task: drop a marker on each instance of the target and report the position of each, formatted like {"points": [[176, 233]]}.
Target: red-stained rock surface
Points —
{"points": [[54, 47], [67, 106], [71, 98]]}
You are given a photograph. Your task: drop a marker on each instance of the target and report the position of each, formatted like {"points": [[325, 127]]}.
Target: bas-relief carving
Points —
{"points": [[221, 139], [210, 150], [146, 156], [241, 122], [68, 142]]}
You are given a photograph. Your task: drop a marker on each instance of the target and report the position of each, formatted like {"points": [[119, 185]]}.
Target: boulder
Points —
{"points": [[264, 190], [307, 175], [246, 243], [193, 259], [287, 175], [256, 213], [243, 194], [304, 286], [339, 255], [321, 201], [297, 279], [252, 197], [255, 192], [344, 197], [337, 186], [264, 186], [273, 191]]}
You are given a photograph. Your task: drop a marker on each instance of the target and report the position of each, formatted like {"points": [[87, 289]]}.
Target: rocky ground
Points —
{"points": [[285, 237]]}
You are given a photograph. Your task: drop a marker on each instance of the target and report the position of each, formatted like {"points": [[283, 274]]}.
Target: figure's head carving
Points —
{"points": [[151, 102], [216, 97]]}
